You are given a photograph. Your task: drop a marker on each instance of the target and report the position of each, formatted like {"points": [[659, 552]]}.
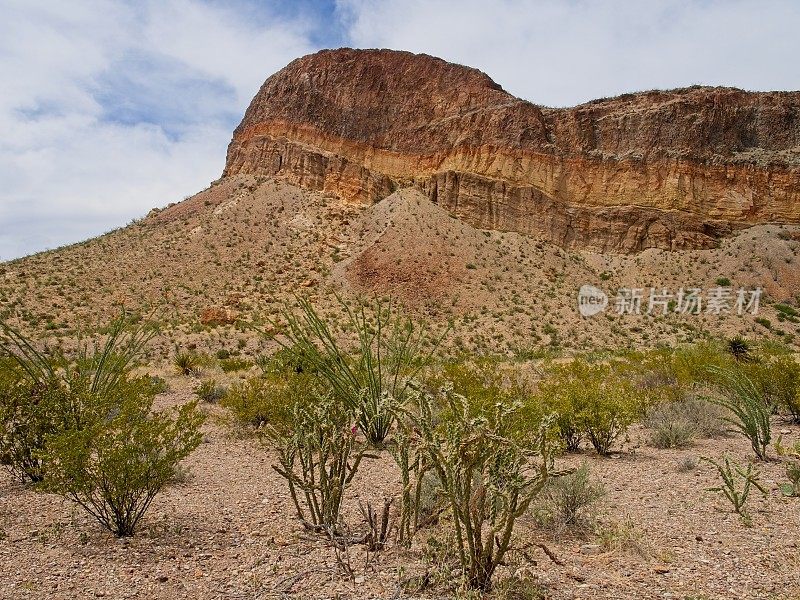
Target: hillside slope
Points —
{"points": [[236, 251]]}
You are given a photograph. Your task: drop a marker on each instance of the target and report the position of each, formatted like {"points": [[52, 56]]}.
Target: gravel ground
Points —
{"points": [[227, 532]]}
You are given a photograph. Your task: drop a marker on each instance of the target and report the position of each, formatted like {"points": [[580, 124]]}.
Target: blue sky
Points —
{"points": [[111, 107]]}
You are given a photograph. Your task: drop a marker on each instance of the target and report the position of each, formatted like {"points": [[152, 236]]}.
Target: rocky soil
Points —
{"points": [[227, 531]]}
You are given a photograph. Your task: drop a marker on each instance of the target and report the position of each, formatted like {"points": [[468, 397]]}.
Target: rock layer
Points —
{"points": [[672, 170]]}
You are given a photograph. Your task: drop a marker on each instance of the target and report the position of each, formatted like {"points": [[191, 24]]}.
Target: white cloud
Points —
{"points": [[111, 108], [564, 53]]}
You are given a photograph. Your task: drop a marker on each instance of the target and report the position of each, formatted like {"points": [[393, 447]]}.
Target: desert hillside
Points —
{"points": [[229, 257]]}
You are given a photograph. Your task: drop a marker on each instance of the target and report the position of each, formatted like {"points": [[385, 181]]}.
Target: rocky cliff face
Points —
{"points": [[671, 170]]}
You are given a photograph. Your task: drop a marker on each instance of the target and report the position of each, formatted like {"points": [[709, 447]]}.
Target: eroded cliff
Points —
{"points": [[675, 169]]}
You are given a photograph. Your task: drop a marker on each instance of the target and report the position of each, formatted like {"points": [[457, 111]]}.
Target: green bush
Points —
{"points": [[764, 322], [267, 399], [43, 395], [210, 391], [694, 365], [158, 385], [231, 365], [29, 413], [285, 361], [114, 468], [777, 378], [787, 313], [84, 429], [562, 394], [485, 382], [593, 401], [658, 378]]}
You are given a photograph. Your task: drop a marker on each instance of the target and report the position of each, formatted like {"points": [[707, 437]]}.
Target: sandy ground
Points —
{"points": [[228, 532]]}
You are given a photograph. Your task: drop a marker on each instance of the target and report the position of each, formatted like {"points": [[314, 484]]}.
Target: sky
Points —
{"points": [[109, 108]]}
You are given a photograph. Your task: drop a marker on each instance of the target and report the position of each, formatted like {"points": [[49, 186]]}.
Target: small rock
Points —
{"points": [[359, 580]]}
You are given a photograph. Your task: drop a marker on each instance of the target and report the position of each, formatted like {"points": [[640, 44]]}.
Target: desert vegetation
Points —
{"points": [[485, 459]]}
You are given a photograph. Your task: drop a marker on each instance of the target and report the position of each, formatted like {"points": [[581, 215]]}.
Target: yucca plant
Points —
{"points": [[186, 362], [739, 349]]}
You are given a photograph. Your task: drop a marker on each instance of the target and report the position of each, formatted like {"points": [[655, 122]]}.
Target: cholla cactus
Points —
{"points": [[486, 473]]}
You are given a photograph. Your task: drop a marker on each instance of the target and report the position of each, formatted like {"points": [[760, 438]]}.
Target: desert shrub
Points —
{"points": [[708, 416], [749, 411], [485, 474], [390, 353], [764, 322], [657, 376], [186, 362], [777, 379], [562, 392], [114, 468], [158, 385], [318, 455], [42, 395], [565, 500], [624, 536], [484, 382], [693, 365], [788, 313], [266, 399], [223, 354], [89, 429], [285, 361], [672, 425], [234, 364], [591, 400], [210, 391], [792, 488], [29, 413], [736, 484]]}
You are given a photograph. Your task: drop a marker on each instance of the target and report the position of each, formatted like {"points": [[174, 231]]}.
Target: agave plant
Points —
{"points": [[739, 349]]}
